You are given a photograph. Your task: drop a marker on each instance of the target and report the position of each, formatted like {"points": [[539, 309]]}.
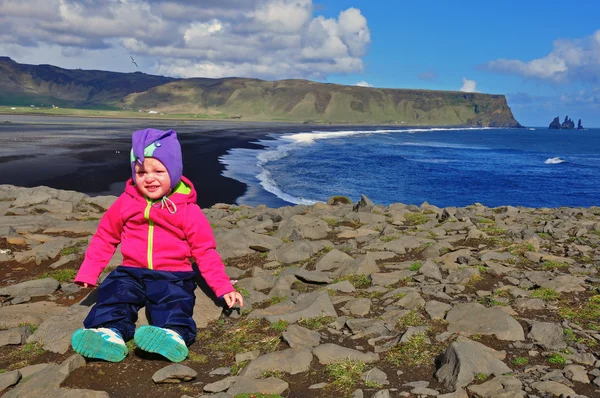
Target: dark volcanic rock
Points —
{"points": [[555, 124], [568, 124]]}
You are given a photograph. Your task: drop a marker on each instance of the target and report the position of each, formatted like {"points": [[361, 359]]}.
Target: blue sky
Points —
{"points": [[543, 55]]}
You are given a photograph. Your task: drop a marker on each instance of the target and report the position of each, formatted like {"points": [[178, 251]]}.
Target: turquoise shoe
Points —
{"points": [[161, 341], [100, 343]]}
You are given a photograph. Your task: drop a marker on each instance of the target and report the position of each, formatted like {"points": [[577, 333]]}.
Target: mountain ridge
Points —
{"points": [[248, 98]]}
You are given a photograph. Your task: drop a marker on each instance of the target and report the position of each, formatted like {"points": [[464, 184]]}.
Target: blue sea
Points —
{"points": [[532, 167]]}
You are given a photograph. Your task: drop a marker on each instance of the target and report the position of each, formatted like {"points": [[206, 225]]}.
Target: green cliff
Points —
{"points": [[249, 99]]}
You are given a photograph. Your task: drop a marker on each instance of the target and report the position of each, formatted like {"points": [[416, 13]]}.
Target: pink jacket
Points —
{"points": [[153, 236]]}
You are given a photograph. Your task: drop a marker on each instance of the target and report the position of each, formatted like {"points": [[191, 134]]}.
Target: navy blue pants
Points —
{"points": [[168, 296]]}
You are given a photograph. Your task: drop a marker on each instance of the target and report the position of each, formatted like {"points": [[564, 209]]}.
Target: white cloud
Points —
{"points": [[202, 31], [214, 38], [468, 86], [582, 97], [363, 84], [282, 16], [354, 31], [570, 59]]}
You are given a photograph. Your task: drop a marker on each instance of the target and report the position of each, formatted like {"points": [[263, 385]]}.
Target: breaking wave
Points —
{"points": [[555, 160]]}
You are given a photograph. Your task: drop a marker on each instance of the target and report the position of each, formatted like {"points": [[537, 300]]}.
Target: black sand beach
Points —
{"points": [[92, 155]]}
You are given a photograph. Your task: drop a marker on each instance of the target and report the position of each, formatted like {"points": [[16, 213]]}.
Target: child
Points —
{"points": [[159, 226]]}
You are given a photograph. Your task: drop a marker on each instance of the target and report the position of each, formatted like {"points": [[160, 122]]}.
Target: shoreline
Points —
{"points": [[93, 157], [91, 154]]}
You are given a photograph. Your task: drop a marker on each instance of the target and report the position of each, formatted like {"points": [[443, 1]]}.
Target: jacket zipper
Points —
{"points": [[150, 232]]}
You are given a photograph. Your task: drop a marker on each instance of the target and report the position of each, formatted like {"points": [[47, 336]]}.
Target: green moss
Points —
{"points": [[39, 210], [243, 336], [70, 250], [244, 292], [61, 275], [277, 299], [399, 296], [545, 294], [279, 326], [489, 301], [415, 218], [493, 230], [358, 281], [520, 361], [238, 367], [272, 373], [25, 355], [521, 248], [585, 315], [316, 323], [332, 222], [300, 286], [388, 238], [473, 280], [416, 352], [411, 318], [195, 357], [345, 374], [131, 345], [553, 265], [570, 336], [557, 359], [32, 328]]}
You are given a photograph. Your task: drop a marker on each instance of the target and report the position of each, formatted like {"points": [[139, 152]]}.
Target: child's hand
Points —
{"points": [[232, 298]]}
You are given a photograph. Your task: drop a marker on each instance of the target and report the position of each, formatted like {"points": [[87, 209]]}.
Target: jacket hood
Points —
{"points": [[184, 192]]}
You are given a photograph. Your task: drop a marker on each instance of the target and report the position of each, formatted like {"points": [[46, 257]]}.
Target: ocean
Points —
{"points": [[531, 167]]}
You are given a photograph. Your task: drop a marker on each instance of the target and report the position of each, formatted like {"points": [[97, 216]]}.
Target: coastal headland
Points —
{"points": [[341, 299], [50, 88]]}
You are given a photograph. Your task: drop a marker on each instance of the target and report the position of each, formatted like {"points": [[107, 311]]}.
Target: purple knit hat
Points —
{"points": [[161, 145]]}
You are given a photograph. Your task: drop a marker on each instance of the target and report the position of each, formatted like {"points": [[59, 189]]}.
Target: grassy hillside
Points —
{"points": [[304, 100], [248, 99], [22, 84]]}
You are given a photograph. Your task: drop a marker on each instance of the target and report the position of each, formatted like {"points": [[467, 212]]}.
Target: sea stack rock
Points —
{"points": [[555, 124], [567, 124]]}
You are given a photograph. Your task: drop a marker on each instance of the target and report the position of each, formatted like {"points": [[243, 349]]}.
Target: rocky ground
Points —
{"points": [[342, 300]]}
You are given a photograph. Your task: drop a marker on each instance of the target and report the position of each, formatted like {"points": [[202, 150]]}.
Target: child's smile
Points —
{"points": [[152, 179]]}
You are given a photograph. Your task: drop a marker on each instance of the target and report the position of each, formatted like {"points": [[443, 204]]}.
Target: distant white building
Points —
{"points": [[153, 112]]}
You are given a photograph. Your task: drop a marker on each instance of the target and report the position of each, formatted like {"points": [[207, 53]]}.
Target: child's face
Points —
{"points": [[152, 178]]}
